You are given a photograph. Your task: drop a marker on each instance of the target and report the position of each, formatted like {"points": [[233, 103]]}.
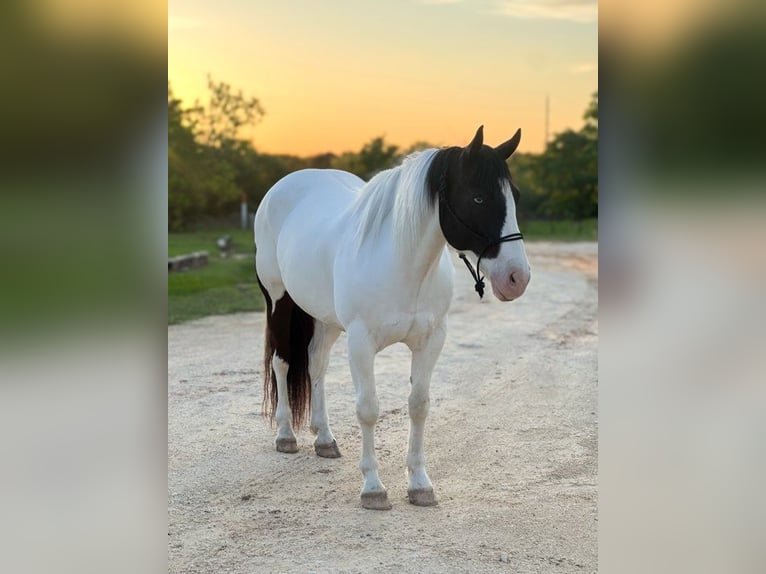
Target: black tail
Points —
{"points": [[289, 330]]}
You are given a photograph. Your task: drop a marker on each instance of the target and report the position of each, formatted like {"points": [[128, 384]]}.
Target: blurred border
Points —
{"points": [[83, 300], [682, 271], [83, 192]]}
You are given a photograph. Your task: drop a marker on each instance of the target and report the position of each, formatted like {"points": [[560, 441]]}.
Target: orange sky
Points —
{"points": [[332, 75]]}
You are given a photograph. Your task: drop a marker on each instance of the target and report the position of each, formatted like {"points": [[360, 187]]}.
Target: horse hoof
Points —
{"points": [[422, 497], [327, 450], [376, 500], [289, 445]]}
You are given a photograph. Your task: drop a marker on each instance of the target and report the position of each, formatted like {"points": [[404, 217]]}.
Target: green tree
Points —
{"points": [[202, 178], [591, 117], [227, 112], [522, 167], [590, 151], [375, 156], [348, 161], [565, 176], [566, 172]]}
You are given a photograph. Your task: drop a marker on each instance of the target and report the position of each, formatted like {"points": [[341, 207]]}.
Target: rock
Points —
{"points": [[189, 261]]}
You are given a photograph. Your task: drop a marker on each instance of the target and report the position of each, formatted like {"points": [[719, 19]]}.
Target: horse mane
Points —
{"points": [[400, 193]]}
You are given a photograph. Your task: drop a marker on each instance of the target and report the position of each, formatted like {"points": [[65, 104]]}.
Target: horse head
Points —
{"points": [[477, 213]]}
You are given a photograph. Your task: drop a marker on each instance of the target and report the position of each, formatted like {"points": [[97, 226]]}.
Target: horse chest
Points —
{"points": [[410, 328]]}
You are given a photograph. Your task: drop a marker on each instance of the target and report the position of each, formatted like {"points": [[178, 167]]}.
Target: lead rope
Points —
{"points": [[476, 273]]}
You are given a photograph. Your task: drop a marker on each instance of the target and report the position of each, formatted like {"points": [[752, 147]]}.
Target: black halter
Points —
{"points": [[479, 280], [476, 273]]}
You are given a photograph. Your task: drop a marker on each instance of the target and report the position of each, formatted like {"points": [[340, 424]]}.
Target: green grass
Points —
{"points": [[181, 243], [229, 285], [224, 286], [566, 230]]}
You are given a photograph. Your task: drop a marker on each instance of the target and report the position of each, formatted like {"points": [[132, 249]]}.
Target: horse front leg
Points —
{"points": [[420, 491], [361, 352]]}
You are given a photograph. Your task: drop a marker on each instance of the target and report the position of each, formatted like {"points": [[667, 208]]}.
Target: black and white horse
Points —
{"points": [[338, 254]]}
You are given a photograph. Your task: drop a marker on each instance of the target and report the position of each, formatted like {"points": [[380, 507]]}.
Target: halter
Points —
{"points": [[479, 280], [476, 273]]}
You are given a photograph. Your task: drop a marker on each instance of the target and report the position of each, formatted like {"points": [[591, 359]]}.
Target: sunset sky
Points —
{"points": [[332, 75]]}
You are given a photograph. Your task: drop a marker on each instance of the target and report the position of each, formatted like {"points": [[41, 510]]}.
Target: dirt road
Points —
{"points": [[511, 444]]}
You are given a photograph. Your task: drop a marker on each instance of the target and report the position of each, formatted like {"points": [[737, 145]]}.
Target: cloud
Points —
{"points": [[583, 68], [571, 10]]}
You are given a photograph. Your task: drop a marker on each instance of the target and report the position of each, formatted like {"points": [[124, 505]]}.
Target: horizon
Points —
{"points": [[418, 70]]}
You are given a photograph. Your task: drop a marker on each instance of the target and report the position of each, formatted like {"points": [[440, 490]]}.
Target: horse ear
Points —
{"points": [[506, 149], [476, 143]]}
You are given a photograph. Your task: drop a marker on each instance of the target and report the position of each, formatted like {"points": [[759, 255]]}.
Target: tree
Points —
{"points": [[186, 194], [349, 161], [227, 112], [565, 175], [566, 172], [375, 156], [591, 117], [589, 153], [522, 168], [202, 179]]}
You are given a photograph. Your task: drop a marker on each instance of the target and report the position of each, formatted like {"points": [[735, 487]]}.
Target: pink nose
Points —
{"points": [[518, 281], [511, 286]]}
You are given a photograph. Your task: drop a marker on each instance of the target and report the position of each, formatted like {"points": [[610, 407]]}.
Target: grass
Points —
{"points": [[224, 286], [181, 243], [565, 230], [229, 285]]}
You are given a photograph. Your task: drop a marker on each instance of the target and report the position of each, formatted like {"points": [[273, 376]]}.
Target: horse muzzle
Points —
{"points": [[510, 285]]}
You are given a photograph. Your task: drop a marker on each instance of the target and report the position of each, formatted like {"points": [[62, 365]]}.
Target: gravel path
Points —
{"points": [[511, 444]]}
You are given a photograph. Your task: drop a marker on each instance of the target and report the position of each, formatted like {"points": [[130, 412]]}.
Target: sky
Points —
{"points": [[332, 75]]}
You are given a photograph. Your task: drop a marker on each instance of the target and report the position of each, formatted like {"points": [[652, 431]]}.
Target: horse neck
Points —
{"points": [[419, 248], [431, 248], [407, 214]]}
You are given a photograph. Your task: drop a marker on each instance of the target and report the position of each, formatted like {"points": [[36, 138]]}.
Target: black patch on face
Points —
{"points": [[472, 205]]}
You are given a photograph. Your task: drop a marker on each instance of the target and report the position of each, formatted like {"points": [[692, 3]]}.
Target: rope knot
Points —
{"points": [[478, 281], [475, 273]]}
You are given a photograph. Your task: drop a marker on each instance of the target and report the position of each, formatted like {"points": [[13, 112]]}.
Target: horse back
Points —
{"points": [[327, 190], [298, 227]]}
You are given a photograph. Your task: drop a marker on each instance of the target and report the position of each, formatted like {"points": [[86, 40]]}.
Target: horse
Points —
{"points": [[337, 254]]}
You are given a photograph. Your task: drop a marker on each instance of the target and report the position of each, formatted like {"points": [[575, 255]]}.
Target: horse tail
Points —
{"points": [[289, 330], [269, 377]]}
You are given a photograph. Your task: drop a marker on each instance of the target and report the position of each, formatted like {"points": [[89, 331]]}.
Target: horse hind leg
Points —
{"points": [[286, 440], [319, 358], [287, 384]]}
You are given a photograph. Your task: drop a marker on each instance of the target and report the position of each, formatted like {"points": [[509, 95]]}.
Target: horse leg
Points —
{"points": [[279, 323], [319, 357], [420, 491], [361, 351], [286, 441]]}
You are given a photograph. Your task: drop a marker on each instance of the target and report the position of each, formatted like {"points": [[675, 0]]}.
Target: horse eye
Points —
{"points": [[478, 199]]}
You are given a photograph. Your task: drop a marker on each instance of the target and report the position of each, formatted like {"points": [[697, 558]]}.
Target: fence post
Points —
{"points": [[243, 211]]}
